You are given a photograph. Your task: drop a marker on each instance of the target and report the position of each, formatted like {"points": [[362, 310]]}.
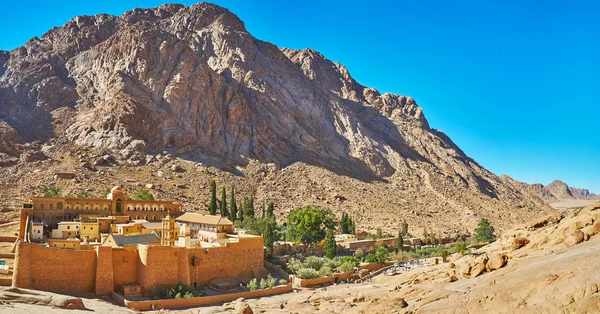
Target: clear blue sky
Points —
{"points": [[513, 83]]}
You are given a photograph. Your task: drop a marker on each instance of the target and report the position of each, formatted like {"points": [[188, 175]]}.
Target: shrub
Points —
{"points": [[50, 191], [370, 258], [461, 248], [143, 195], [355, 261], [307, 273], [314, 262], [82, 194], [263, 283], [325, 271], [252, 284], [283, 282], [346, 266], [359, 254], [484, 231], [271, 281]]}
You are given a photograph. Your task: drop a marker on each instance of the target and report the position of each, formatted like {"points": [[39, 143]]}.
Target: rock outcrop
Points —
{"points": [[194, 83]]}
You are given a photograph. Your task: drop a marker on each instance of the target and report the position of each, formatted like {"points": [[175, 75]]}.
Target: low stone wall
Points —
{"points": [[372, 266], [344, 276], [6, 282], [198, 301], [7, 255], [308, 283], [7, 239], [277, 269]]}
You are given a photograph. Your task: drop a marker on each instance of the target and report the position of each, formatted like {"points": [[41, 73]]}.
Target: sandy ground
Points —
{"points": [[567, 204]]}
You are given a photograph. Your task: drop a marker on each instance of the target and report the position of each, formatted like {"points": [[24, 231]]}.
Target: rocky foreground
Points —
{"points": [[548, 266]]}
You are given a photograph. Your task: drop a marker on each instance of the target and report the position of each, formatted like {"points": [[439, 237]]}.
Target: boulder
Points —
{"points": [[465, 269], [496, 261], [573, 237], [243, 308], [477, 269], [451, 265], [519, 242], [176, 168], [402, 303], [451, 278]]}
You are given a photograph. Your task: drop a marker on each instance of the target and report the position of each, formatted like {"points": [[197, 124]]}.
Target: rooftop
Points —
{"points": [[136, 239], [204, 219]]}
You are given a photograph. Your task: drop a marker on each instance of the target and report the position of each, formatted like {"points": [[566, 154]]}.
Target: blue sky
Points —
{"points": [[513, 83]]}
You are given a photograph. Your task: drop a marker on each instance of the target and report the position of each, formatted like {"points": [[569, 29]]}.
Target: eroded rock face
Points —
{"points": [[193, 81]]}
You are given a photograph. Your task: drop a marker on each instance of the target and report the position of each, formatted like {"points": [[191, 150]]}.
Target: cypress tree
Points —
{"points": [[271, 210], [233, 205], [269, 235], [351, 226], [212, 207], [330, 244], [344, 224], [400, 242], [224, 202], [241, 211]]}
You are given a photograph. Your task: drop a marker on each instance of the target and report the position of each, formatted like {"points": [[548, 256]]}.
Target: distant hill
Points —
{"points": [[555, 192]]}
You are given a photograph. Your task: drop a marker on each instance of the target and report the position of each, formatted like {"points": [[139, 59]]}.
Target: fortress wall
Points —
{"points": [[158, 267], [236, 259], [124, 266], [55, 270]]}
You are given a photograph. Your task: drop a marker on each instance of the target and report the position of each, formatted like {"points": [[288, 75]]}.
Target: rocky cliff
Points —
{"points": [[192, 83], [554, 192]]}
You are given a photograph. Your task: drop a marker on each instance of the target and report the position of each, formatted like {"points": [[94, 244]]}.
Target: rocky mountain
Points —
{"points": [[553, 192], [127, 96]]}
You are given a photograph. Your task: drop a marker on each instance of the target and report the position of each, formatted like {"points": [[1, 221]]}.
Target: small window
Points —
{"points": [[68, 227]]}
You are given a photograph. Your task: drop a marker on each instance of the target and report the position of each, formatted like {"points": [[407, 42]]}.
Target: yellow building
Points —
{"points": [[169, 233], [132, 228], [71, 244], [65, 230], [207, 228], [89, 231]]}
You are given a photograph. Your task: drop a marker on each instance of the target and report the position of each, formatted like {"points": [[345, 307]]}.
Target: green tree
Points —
{"points": [[484, 231], [82, 194], [50, 191], [404, 230], [252, 284], [461, 248], [233, 205], [143, 195], [224, 211], [381, 255], [400, 242], [308, 224], [241, 212], [351, 226], [330, 245], [271, 210], [269, 235], [212, 207], [344, 227]]}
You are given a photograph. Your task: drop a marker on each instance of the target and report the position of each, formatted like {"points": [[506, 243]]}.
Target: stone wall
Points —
{"points": [[198, 301], [56, 270], [154, 267]]}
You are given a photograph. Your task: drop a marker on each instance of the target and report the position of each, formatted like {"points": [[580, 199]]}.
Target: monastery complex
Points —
{"points": [[135, 248]]}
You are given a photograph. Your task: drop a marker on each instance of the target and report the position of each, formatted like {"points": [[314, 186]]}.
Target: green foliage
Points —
{"points": [[83, 194], [307, 273], [308, 224], [181, 291], [269, 234], [325, 271], [314, 262], [252, 284], [283, 282], [484, 231], [351, 226], [330, 245], [344, 228], [400, 242], [271, 210], [381, 255], [359, 254], [248, 206], [212, 207], [263, 283], [404, 229], [224, 211], [50, 191], [143, 195], [233, 205], [444, 255], [271, 281], [461, 248], [346, 266], [240, 212]]}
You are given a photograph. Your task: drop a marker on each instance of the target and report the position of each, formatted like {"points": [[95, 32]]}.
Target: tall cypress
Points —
{"points": [[233, 205], [224, 202], [241, 211], [271, 210], [351, 226], [212, 207]]}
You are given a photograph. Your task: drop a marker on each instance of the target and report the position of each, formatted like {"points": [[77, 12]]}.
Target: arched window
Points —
{"points": [[42, 206], [118, 206], [51, 205], [59, 205]]}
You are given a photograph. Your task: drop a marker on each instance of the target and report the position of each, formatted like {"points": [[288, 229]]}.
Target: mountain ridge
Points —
{"points": [[193, 83]]}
